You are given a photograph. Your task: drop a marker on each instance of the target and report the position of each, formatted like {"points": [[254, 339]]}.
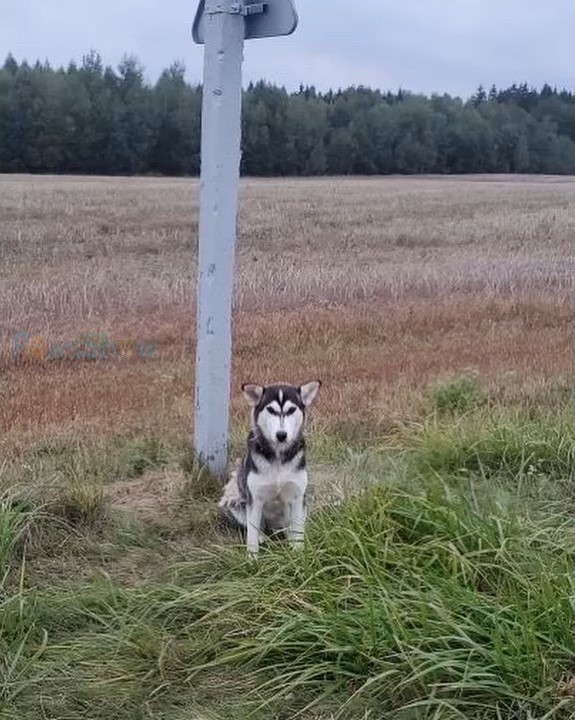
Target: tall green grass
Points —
{"points": [[405, 605], [442, 587], [17, 518], [513, 447], [405, 601]]}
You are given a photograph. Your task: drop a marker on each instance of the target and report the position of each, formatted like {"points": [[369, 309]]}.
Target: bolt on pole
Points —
{"points": [[219, 180]]}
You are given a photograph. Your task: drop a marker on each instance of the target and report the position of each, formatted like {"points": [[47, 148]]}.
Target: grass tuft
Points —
{"points": [[457, 395], [200, 483], [16, 520], [79, 503], [515, 446]]}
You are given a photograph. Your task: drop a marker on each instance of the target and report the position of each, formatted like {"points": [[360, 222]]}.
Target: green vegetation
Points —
{"points": [[496, 444], [92, 119], [457, 395], [73, 459], [441, 587]]}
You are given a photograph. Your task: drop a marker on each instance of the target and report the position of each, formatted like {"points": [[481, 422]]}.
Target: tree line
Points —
{"points": [[92, 119]]}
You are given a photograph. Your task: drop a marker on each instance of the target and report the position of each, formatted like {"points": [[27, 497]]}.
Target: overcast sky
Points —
{"points": [[421, 45]]}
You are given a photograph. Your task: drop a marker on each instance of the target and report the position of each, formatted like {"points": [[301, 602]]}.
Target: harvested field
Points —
{"points": [[380, 286]]}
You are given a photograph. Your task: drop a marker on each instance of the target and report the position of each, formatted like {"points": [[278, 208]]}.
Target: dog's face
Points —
{"points": [[278, 411]]}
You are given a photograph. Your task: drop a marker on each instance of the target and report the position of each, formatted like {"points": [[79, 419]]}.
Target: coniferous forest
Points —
{"points": [[91, 118]]}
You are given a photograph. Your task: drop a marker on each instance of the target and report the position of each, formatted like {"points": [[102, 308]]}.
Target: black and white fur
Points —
{"points": [[268, 489]]}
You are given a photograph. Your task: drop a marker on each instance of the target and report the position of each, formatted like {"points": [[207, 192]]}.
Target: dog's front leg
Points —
{"points": [[254, 520], [297, 518]]}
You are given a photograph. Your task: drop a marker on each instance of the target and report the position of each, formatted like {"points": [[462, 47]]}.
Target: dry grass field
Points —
{"points": [[439, 314], [381, 287]]}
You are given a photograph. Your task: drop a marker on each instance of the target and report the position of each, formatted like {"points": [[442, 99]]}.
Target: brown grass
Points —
{"points": [[379, 286]]}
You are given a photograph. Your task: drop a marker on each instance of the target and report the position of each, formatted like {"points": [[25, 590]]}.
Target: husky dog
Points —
{"points": [[267, 491]]}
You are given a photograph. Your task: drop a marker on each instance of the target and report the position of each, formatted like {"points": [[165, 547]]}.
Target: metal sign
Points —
{"points": [[262, 19]]}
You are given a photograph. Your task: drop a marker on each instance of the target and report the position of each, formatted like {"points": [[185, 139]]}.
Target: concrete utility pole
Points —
{"points": [[222, 25]]}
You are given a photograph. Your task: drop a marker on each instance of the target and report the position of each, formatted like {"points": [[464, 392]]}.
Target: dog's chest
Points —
{"points": [[276, 486]]}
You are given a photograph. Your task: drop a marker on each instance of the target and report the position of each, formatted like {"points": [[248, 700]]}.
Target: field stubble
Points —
{"points": [[379, 286]]}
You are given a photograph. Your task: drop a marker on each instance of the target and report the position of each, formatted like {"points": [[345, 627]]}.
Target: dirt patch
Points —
{"points": [[326, 485], [154, 498], [165, 500], [162, 498]]}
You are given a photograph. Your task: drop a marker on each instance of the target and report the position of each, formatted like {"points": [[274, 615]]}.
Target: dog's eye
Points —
{"points": [[290, 411], [271, 411]]}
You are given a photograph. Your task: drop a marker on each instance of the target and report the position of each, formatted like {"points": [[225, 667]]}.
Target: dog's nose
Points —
{"points": [[281, 435]]}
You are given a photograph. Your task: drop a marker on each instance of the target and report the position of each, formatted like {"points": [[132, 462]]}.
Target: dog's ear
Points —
{"points": [[309, 391], [252, 393]]}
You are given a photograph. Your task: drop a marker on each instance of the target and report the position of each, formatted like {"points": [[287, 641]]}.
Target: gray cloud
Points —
{"points": [[422, 45]]}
